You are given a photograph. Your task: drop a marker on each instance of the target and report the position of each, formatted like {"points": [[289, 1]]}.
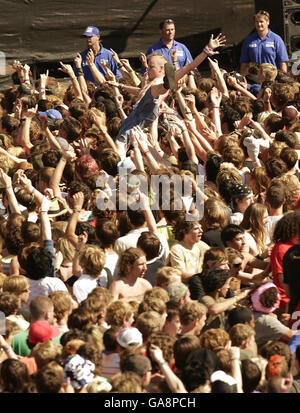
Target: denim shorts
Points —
{"points": [[143, 113]]}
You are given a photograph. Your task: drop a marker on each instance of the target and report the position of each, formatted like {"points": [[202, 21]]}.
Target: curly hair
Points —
{"points": [[117, 311], [127, 259], [182, 227], [166, 343], [269, 297], [287, 227], [214, 339], [199, 366], [9, 303], [214, 279]]}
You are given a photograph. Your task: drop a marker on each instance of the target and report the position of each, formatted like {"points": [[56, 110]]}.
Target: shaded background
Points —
{"points": [[43, 32]]}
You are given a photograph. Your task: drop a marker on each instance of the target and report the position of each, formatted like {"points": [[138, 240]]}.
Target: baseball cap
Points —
{"points": [[129, 335], [91, 31], [41, 331], [51, 115]]}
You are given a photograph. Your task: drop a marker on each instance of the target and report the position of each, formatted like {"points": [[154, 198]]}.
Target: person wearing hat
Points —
{"points": [[92, 35], [241, 198]]}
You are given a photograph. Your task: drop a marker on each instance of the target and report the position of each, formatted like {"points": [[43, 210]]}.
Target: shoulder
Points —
{"points": [[202, 246], [154, 47], [207, 300], [181, 46], [275, 36], [252, 36]]}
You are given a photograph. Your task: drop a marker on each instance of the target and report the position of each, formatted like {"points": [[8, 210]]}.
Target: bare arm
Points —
{"points": [[212, 45], [173, 381], [78, 200], [90, 57], [12, 200], [283, 66], [218, 308], [216, 72], [70, 72], [81, 79]]}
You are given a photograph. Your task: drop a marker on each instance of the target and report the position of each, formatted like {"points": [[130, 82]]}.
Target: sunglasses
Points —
{"points": [[238, 265], [166, 21]]}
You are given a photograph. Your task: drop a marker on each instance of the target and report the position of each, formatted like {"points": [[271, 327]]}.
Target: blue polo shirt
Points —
{"points": [[183, 54], [103, 54], [270, 50]]}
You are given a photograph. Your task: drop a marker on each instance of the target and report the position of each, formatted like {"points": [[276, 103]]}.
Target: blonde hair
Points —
{"points": [[268, 72], [253, 223], [191, 311], [166, 275], [66, 248], [45, 352], [62, 303], [92, 260], [215, 213], [117, 311], [15, 284]]}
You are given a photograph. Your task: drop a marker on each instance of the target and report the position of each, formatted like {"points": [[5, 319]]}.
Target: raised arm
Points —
{"points": [[6, 182], [78, 200], [209, 50], [90, 57], [173, 381], [68, 69]]}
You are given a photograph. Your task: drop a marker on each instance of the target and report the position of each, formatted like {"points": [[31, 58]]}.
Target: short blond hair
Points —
{"points": [[268, 72], [117, 311], [239, 333], [191, 311], [165, 275], [92, 259]]}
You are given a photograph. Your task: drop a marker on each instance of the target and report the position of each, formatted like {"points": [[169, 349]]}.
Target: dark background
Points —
{"points": [[43, 32]]}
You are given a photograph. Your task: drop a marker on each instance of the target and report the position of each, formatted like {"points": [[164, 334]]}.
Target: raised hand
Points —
{"points": [[90, 57], [66, 69], [215, 96], [44, 77], [126, 64], [30, 113], [84, 147], [78, 200], [115, 56], [219, 41], [78, 60], [213, 64], [143, 60]]}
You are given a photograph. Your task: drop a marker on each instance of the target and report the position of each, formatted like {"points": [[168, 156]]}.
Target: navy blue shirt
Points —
{"points": [[183, 54], [103, 54], [270, 50]]}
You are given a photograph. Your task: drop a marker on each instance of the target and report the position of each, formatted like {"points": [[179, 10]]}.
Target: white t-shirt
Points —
{"points": [[272, 221], [86, 283], [45, 286]]}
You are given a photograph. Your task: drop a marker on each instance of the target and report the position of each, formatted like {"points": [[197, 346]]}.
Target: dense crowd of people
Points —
{"points": [[150, 225]]}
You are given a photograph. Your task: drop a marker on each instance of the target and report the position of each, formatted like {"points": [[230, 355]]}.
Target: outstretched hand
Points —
{"points": [[219, 41]]}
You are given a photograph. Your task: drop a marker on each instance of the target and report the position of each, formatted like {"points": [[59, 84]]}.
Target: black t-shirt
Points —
{"points": [[212, 237], [291, 274]]}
